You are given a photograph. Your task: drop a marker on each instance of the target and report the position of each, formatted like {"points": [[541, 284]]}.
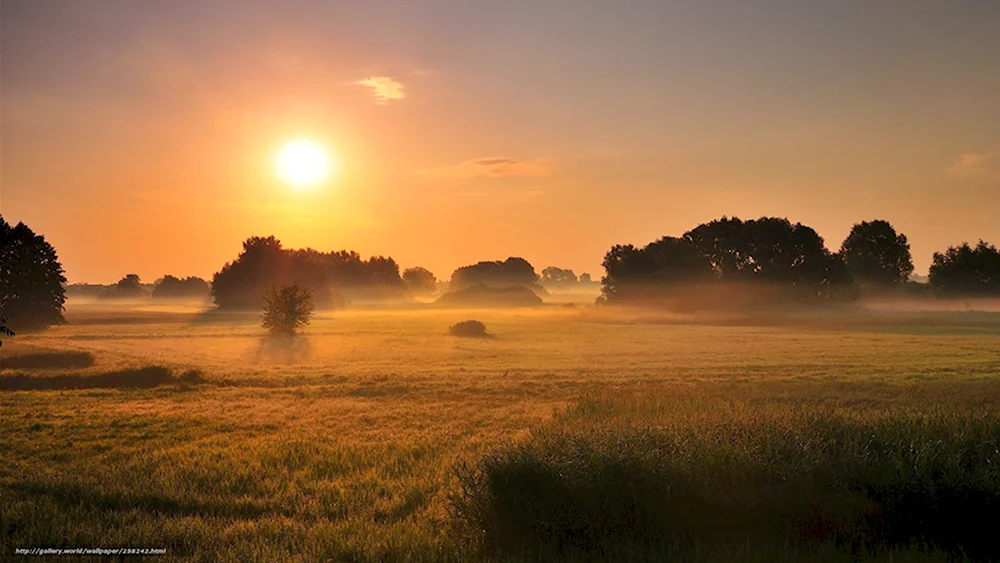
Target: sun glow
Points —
{"points": [[303, 163]]}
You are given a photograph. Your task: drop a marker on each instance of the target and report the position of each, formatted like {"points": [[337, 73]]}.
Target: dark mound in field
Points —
{"points": [[132, 378], [48, 360], [484, 296], [473, 329]]}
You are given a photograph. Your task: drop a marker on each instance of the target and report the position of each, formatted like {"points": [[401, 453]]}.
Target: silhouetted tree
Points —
{"points": [[512, 271], [876, 255], [585, 278], [170, 287], [964, 270], [31, 278], [641, 273], [129, 286], [419, 280], [241, 284], [286, 309], [558, 276], [772, 250], [383, 273], [790, 260], [264, 263]]}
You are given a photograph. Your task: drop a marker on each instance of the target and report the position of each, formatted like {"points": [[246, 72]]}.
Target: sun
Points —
{"points": [[303, 163]]}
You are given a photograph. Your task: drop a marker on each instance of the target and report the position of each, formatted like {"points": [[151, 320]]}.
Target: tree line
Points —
{"points": [[772, 259], [777, 258]]}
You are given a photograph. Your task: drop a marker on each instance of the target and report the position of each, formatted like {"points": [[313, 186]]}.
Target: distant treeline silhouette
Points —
{"points": [[264, 263], [729, 261], [767, 259], [966, 270], [732, 262], [131, 287], [513, 271], [191, 287]]}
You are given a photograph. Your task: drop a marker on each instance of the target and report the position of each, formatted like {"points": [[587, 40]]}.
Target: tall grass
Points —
{"points": [[613, 478]]}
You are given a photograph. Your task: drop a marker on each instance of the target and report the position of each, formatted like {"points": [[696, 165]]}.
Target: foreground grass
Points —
{"points": [[657, 476], [344, 445]]}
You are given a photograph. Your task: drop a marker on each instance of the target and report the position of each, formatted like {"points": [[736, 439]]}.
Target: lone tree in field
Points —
{"points": [[286, 309], [876, 255], [31, 278]]}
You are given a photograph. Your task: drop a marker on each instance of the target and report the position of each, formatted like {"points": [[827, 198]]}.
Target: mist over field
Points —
{"points": [[510, 281]]}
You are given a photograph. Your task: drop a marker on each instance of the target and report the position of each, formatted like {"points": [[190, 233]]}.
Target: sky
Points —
{"points": [[139, 137]]}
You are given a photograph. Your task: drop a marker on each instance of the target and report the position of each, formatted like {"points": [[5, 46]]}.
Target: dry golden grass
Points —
{"points": [[341, 444]]}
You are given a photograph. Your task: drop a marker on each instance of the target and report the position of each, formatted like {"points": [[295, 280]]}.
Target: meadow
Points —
{"points": [[376, 436]]}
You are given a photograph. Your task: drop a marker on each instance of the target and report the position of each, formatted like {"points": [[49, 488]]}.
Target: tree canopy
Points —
{"points": [[419, 280], [31, 279], [966, 270], [191, 287], [510, 272], [789, 259], [265, 263], [286, 309], [877, 255], [558, 276]]}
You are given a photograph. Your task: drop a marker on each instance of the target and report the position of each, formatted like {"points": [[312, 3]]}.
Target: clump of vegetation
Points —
{"points": [[618, 475], [286, 309], [471, 328], [130, 378]]}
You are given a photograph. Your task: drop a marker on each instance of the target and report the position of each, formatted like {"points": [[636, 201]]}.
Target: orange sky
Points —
{"points": [[139, 137]]}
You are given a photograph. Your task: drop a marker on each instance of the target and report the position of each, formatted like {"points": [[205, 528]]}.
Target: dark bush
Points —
{"points": [[468, 328]]}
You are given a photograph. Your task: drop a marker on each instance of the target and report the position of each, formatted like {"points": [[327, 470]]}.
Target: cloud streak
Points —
{"points": [[492, 167], [384, 88], [975, 165]]}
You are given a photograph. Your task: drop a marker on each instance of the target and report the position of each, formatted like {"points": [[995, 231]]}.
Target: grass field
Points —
{"points": [[191, 431]]}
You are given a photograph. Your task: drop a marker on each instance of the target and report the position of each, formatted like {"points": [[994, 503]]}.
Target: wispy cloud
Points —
{"points": [[492, 167], [976, 164], [384, 88]]}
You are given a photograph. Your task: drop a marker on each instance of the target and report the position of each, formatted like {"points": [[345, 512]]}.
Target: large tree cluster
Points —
{"points": [[264, 263], [967, 270], [513, 271], [768, 256]]}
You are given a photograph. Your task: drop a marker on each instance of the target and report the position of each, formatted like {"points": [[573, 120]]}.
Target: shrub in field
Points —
{"points": [[286, 309], [468, 328], [614, 484]]}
